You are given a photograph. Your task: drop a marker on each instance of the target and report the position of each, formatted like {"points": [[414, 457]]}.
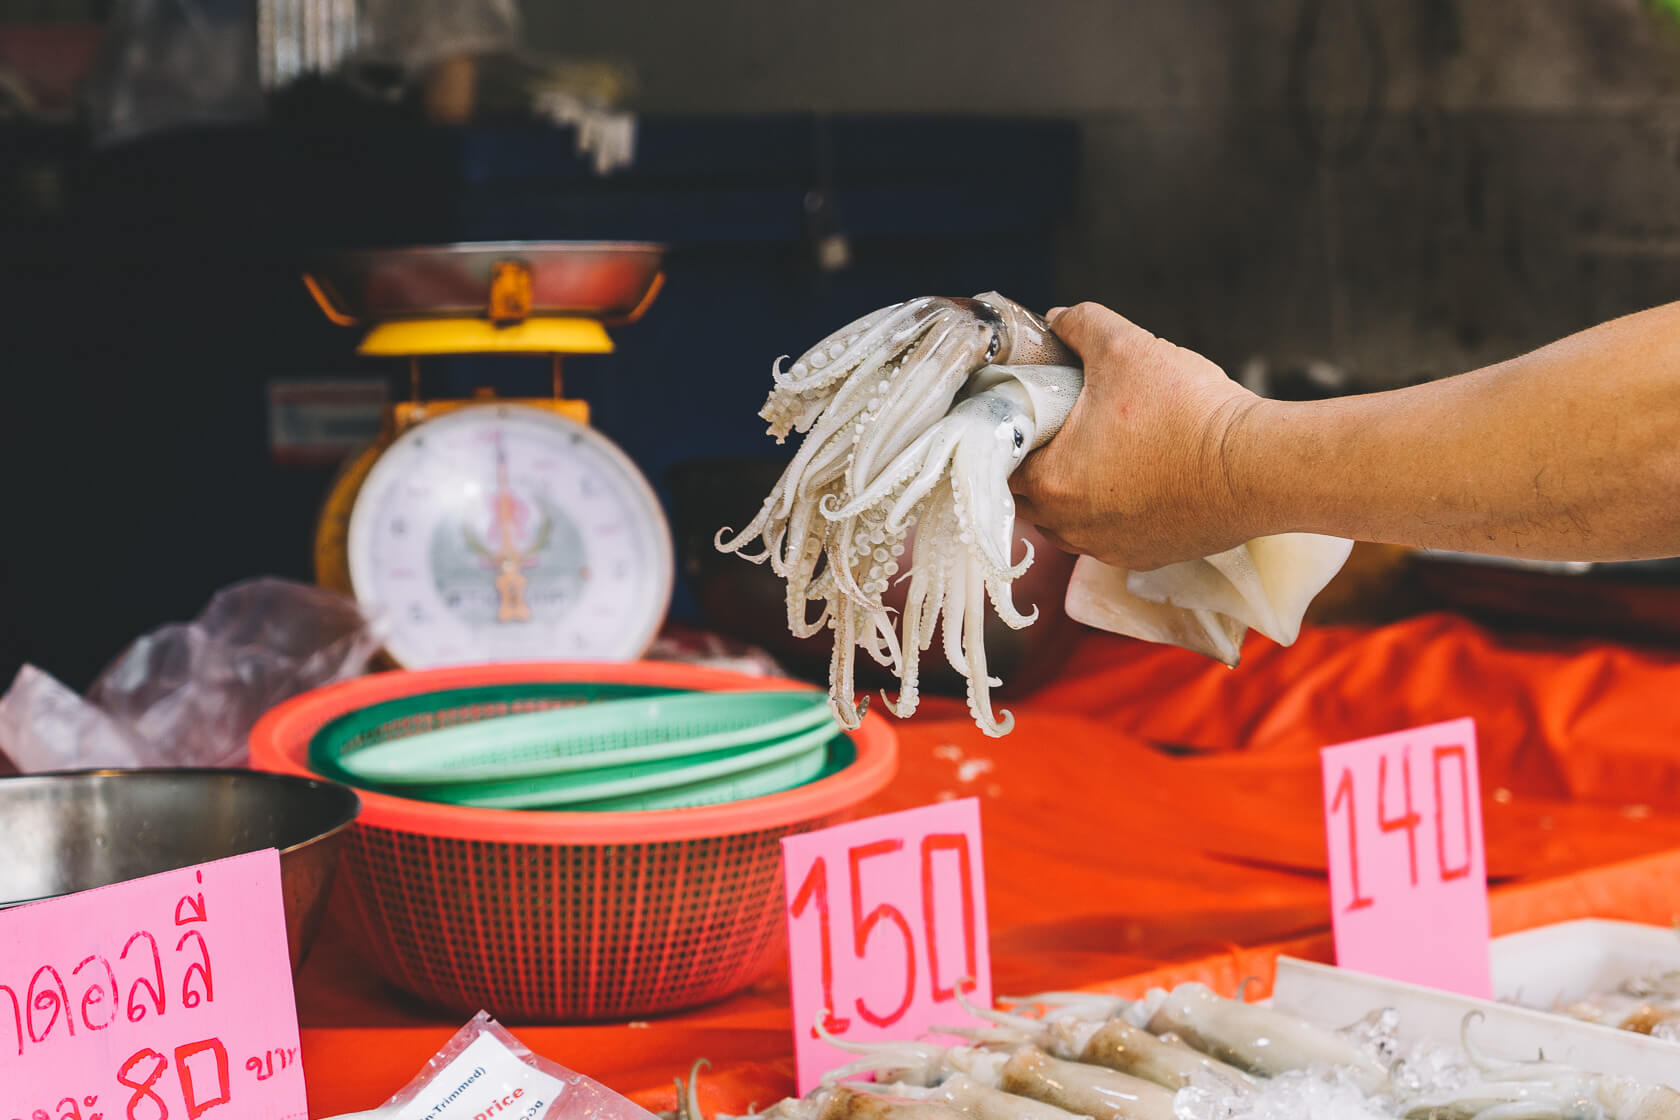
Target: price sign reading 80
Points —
{"points": [[886, 923], [1408, 876]]}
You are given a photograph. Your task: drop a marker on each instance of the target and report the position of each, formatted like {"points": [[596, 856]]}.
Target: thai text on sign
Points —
{"points": [[163, 998]]}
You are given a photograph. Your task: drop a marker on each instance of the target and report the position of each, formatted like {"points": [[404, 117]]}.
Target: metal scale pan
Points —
{"points": [[611, 281]]}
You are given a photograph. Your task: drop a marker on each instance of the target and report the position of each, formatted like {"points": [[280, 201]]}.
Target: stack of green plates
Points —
{"points": [[637, 750]]}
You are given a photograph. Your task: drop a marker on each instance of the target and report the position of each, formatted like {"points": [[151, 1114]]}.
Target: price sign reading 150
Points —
{"points": [[1408, 875], [886, 924]]}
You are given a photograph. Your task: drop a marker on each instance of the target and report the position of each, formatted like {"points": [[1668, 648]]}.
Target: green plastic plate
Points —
{"points": [[401, 721], [715, 776], [614, 733], [758, 782]]}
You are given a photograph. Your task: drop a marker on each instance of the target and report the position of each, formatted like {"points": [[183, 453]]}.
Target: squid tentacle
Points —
{"points": [[915, 604], [956, 608], [906, 424], [914, 379], [820, 366], [928, 389], [750, 533], [840, 696], [974, 646], [1003, 603]]}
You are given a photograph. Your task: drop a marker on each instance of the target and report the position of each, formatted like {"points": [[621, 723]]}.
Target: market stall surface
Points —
{"points": [[1155, 816]]}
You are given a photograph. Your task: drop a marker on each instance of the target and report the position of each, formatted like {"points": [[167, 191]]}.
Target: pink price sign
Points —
{"points": [[164, 998], [1408, 876], [886, 920]]}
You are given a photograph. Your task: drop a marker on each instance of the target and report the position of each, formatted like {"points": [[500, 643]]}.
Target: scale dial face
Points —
{"points": [[507, 533]]}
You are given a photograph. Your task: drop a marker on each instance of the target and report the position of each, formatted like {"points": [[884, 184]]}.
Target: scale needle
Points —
{"points": [[510, 562]]}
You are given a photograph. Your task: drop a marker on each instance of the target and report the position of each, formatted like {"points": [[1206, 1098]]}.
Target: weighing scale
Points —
{"points": [[493, 529]]}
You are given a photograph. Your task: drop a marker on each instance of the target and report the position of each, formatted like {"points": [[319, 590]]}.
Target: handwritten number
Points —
{"points": [[1410, 820], [958, 843], [143, 1088], [815, 890], [1344, 789], [198, 1105], [862, 930], [1448, 874], [866, 949]]}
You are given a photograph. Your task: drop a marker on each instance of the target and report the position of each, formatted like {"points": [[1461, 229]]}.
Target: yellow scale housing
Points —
{"points": [[505, 329]]}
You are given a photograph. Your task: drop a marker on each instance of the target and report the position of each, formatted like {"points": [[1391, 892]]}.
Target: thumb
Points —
{"points": [[1091, 328]]}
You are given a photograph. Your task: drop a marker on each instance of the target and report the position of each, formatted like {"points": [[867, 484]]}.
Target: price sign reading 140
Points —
{"points": [[886, 921], [1408, 876]]}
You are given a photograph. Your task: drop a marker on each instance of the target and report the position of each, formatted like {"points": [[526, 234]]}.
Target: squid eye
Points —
{"points": [[996, 345], [1019, 439]]}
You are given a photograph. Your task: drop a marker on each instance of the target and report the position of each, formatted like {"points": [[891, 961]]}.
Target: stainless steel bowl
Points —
{"points": [[68, 832]]}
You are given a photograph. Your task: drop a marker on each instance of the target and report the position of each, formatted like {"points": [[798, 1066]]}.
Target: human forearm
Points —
{"points": [[1570, 452]]}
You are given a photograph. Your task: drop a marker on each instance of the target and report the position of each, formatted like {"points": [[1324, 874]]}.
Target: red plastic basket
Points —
{"points": [[554, 916]]}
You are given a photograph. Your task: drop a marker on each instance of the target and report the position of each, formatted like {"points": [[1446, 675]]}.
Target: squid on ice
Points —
{"points": [[1542, 1090], [915, 416], [1190, 1054]]}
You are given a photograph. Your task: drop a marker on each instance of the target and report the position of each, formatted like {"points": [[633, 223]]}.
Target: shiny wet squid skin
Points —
{"points": [[1061, 1065], [914, 415]]}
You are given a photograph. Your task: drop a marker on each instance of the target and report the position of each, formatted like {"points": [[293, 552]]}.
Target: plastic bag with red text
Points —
{"points": [[484, 1073]]}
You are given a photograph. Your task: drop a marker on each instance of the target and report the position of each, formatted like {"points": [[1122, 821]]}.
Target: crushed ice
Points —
{"points": [[1297, 1095]]}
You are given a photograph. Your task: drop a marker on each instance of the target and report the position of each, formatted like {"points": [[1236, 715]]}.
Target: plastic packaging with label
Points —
{"points": [[484, 1073]]}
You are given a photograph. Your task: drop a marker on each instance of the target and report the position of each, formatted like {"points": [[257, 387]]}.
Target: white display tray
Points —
{"points": [[1550, 965], [1334, 997]]}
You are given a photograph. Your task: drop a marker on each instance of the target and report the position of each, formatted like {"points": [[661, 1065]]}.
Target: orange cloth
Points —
{"points": [[1153, 812]]}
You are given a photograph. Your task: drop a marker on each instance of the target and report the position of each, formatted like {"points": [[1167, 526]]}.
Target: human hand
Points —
{"points": [[1137, 475]]}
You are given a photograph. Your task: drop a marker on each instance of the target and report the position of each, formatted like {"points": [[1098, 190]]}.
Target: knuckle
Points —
{"points": [[1054, 488], [1118, 350], [1082, 316]]}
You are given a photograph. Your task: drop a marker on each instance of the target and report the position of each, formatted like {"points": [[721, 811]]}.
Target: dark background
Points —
{"points": [[148, 317], [1401, 189]]}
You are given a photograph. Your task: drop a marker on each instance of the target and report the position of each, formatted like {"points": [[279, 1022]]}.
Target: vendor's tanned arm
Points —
{"points": [[1570, 452]]}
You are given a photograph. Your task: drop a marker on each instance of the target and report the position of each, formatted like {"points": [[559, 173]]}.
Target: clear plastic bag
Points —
{"points": [[168, 63], [485, 1071], [415, 34], [188, 693]]}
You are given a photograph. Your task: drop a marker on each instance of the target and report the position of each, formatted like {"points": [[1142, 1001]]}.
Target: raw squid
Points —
{"points": [[840, 1102], [1088, 1090], [1022, 1071], [1294, 1069], [1054, 1006], [1259, 1039], [916, 415], [1102, 1040], [1542, 1090], [1643, 1004], [1121, 1046], [977, 1101]]}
